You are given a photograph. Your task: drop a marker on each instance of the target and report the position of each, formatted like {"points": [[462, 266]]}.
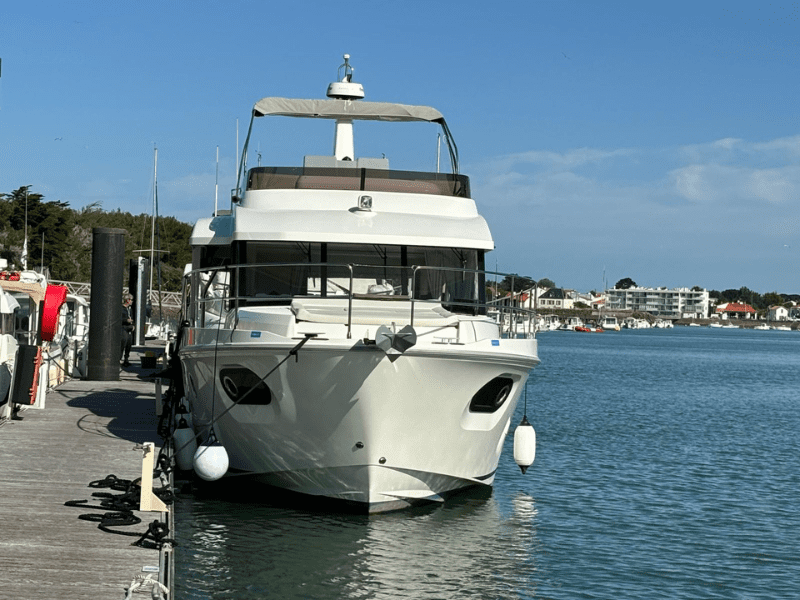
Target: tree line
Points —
{"points": [[60, 238]]}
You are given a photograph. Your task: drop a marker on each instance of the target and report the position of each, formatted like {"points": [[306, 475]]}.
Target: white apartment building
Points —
{"points": [[677, 303]]}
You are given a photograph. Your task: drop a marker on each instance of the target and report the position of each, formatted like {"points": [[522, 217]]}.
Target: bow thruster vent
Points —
{"points": [[237, 383], [492, 395]]}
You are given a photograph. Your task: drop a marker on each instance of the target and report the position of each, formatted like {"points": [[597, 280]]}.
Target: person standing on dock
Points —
{"points": [[127, 331]]}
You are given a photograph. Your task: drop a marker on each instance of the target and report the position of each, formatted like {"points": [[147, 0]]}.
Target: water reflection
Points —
{"points": [[253, 550]]}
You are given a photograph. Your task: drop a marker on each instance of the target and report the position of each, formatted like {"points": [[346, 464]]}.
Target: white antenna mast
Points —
{"points": [[345, 89], [237, 156], [216, 185], [25, 243]]}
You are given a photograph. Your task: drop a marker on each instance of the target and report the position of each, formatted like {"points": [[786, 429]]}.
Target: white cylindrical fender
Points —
{"points": [[524, 444], [185, 445], [210, 461]]}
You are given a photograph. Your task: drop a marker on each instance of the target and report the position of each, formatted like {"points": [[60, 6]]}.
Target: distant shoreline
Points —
{"points": [[594, 315]]}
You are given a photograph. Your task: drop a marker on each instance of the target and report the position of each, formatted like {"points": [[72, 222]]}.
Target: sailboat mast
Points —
{"points": [[25, 243], [153, 225]]}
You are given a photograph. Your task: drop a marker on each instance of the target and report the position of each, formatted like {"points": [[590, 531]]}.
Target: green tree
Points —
{"points": [[520, 283], [773, 299], [27, 213], [748, 296], [67, 235], [625, 284]]}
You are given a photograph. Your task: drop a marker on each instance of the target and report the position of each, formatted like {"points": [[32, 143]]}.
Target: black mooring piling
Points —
{"points": [[105, 324]]}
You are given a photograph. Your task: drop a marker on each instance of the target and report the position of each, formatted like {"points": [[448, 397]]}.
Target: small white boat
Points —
{"points": [[633, 323], [570, 324], [609, 323], [550, 323], [762, 327]]}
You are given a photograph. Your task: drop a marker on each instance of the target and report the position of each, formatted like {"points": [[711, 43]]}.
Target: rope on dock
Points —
{"points": [[121, 507]]}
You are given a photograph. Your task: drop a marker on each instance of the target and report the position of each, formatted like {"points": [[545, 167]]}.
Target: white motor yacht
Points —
{"points": [[609, 323], [630, 323], [551, 323], [571, 324], [336, 339]]}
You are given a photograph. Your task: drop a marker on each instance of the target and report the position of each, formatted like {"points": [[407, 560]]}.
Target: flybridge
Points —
{"points": [[345, 106]]}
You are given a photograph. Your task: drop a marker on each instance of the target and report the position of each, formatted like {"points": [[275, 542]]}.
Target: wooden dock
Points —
{"points": [[88, 430]]}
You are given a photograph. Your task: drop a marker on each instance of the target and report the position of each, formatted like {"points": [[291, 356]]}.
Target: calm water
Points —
{"points": [[667, 466]]}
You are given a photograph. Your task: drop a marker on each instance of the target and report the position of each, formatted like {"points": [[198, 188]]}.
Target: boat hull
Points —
{"points": [[349, 422]]}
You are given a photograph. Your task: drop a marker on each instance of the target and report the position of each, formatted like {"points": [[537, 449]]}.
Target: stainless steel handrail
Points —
{"points": [[517, 314]]}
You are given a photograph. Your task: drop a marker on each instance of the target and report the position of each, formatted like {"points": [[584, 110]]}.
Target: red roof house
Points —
{"points": [[736, 310]]}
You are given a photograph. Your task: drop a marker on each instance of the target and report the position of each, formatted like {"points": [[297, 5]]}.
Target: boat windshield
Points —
{"points": [[353, 178], [275, 272]]}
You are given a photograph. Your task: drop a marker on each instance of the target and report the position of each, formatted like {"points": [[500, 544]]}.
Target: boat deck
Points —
{"points": [[88, 430]]}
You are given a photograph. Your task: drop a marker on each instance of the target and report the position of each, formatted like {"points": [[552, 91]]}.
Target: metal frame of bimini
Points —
{"points": [[343, 111]]}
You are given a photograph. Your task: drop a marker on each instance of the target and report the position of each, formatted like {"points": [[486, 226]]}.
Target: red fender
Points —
{"points": [[54, 297]]}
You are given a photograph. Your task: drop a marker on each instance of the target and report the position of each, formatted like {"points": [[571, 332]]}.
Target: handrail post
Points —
{"points": [[235, 293], [513, 317], [350, 303], [414, 270]]}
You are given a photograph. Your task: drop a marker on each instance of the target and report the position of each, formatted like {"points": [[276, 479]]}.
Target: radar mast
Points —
{"points": [[345, 89]]}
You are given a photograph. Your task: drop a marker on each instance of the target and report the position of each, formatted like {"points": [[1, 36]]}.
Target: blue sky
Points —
{"points": [[653, 140]]}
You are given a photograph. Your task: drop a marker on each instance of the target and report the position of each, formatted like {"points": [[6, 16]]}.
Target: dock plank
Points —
{"points": [[88, 430]]}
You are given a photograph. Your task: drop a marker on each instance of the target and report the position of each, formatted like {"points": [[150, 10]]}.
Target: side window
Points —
{"points": [[22, 317]]}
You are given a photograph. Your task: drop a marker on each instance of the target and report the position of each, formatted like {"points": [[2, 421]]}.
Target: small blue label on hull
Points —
{"points": [[255, 334], [495, 342]]}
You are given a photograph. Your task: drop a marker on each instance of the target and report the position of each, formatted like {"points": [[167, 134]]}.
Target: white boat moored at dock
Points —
{"points": [[338, 340]]}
